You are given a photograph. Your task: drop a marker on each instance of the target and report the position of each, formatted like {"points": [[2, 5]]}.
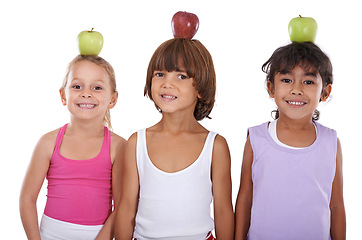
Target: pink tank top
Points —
{"points": [[79, 191]]}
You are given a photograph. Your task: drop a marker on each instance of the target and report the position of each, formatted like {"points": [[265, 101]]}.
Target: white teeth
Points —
{"points": [[169, 97], [296, 103], [86, 105]]}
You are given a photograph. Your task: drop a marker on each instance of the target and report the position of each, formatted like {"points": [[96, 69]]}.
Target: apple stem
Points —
{"points": [[93, 28], [299, 16]]}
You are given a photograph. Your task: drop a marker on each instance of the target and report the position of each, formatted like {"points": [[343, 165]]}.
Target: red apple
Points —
{"points": [[184, 25]]}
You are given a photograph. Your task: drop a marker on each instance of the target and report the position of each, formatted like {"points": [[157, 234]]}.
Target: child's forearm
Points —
{"points": [[107, 231], [224, 225], [338, 223], [29, 218], [124, 225], [242, 218], [338, 214]]}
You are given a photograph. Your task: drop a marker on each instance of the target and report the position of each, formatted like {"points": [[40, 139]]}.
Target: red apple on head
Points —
{"points": [[184, 25]]}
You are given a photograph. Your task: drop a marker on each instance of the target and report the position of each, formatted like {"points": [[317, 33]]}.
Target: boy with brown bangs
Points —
{"points": [[176, 168]]}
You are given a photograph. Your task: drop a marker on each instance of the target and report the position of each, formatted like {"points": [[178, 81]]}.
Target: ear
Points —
{"points": [[326, 92], [62, 97], [113, 101], [270, 88]]}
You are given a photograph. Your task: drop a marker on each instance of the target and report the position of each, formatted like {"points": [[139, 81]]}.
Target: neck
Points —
{"points": [[85, 128], [177, 124], [295, 124]]}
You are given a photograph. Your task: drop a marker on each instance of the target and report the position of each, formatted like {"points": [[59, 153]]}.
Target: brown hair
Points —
{"points": [[102, 63], [195, 59]]}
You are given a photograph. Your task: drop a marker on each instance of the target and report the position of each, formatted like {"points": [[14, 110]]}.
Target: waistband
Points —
{"points": [[209, 236]]}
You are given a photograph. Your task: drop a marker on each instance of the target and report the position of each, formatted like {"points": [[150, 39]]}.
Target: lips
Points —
{"points": [[86, 105], [296, 103], [168, 97]]}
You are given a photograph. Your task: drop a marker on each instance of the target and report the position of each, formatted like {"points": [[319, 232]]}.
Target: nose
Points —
{"points": [[296, 92], [85, 94], [168, 82], [296, 89]]}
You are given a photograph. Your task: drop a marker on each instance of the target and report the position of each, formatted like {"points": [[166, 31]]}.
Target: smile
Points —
{"points": [[168, 97], [86, 105], [295, 103]]}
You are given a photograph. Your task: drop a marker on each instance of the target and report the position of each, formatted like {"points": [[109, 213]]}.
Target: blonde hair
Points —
{"points": [[102, 63]]}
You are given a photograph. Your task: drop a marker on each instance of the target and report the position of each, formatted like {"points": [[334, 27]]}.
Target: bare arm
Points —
{"points": [[245, 195], [127, 208], [221, 187], [338, 214], [117, 153], [33, 182]]}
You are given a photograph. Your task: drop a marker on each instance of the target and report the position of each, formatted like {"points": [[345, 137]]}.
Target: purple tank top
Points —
{"points": [[79, 191], [291, 187]]}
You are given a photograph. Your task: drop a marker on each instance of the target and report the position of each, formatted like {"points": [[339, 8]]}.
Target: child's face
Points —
{"points": [[174, 92], [88, 92], [297, 93]]}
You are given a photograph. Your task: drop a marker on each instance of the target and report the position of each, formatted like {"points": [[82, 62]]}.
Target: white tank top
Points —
{"points": [[174, 205]]}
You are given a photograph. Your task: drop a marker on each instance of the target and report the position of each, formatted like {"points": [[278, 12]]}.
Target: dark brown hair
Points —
{"points": [[307, 55], [191, 56]]}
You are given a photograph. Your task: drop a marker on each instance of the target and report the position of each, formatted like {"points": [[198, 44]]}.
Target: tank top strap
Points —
{"points": [[206, 154], [60, 136], [209, 143], [141, 145], [106, 148]]}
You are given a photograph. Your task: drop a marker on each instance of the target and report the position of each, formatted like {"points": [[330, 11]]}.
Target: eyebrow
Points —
{"points": [[313, 74], [79, 79]]}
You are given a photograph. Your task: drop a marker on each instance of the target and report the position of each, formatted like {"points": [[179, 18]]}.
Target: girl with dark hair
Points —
{"points": [[291, 176]]}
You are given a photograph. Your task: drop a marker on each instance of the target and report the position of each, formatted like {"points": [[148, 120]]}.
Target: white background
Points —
{"points": [[38, 39]]}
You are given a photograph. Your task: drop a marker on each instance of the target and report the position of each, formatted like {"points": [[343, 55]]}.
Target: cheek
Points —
{"points": [[318, 92], [153, 93], [68, 95]]}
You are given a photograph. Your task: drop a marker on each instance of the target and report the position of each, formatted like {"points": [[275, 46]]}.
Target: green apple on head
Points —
{"points": [[302, 29], [90, 42]]}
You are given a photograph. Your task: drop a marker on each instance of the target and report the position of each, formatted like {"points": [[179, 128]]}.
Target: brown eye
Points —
{"points": [[309, 82], [286, 80], [159, 74], [182, 77]]}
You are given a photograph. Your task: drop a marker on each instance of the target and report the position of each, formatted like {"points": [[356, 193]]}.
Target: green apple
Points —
{"points": [[302, 29], [90, 42]]}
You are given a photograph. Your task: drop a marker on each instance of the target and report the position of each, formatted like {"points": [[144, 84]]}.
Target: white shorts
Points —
{"points": [[52, 229]]}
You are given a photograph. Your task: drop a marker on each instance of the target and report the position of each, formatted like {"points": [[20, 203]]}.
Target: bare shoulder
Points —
{"points": [[132, 139], [44, 149], [130, 151], [46, 142], [50, 136], [220, 145], [118, 145], [221, 153], [117, 140], [130, 155]]}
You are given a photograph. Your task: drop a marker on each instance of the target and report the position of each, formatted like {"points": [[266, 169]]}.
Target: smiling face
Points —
{"points": [[298, 92], [193, 59], [174, 92], [88, 92]]}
